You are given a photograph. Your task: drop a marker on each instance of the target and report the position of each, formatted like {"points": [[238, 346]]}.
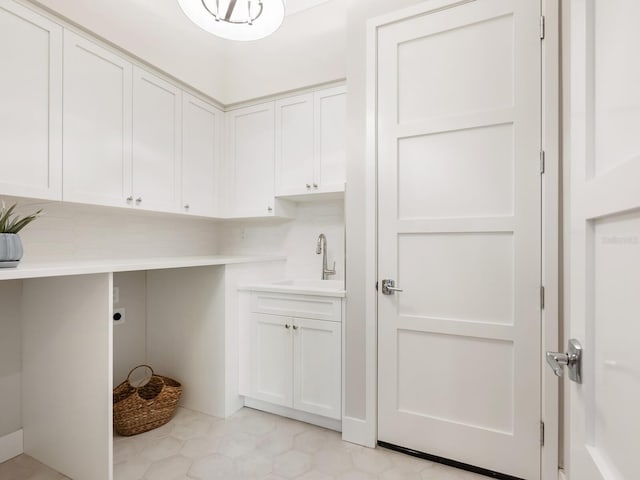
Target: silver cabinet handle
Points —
{"points": [[287, 326], [269, 209], [389, 287], [295, 327], [139, 200], [308, 186], [187, 206], [315, 185], [130, 198]]}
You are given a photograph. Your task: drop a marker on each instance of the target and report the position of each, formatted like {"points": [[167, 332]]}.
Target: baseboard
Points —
{"points": [[11, 446], [318, 420], [358, 431], [562, 475]]}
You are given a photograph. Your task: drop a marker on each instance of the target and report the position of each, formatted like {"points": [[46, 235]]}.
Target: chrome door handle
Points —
{"points": [[572, 359], [389, 287]]}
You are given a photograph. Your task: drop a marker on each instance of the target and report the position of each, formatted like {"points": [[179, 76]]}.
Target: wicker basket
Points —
{"points": [[138, 409]]}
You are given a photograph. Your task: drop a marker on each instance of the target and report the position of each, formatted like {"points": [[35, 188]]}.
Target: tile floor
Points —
{"points": [[251, 445]]}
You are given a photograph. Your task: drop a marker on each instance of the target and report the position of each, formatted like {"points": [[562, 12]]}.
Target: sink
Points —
{"points": [[309, 283]]}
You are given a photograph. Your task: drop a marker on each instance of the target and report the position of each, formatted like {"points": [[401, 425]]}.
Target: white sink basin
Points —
{"points": [[309, 283]]}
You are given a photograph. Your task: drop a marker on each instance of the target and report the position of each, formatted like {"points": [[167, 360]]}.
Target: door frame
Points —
{"points": [[551, 225]]}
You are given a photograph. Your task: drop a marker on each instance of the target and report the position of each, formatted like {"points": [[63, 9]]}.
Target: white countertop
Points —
{"points": [[86, 267], [323, 288]]}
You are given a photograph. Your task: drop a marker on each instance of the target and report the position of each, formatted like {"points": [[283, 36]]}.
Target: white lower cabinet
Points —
{"points": [[296, 362]]}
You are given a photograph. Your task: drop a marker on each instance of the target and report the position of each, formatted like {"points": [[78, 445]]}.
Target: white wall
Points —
{"points": [[358, 12], [10, 357], [296, 239], [68, 232]]}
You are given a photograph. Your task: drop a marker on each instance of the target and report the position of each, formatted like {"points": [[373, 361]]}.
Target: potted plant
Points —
{"points": [[10, 244]]}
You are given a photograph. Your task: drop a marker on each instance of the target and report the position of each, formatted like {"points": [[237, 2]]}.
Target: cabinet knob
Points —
{"points": [[287, 326], [269, 209], [295, 327], [308, 186], [130, 198], [315, 185], [139, 200], [187, 206]]}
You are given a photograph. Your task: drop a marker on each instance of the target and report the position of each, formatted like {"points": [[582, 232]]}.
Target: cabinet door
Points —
{"points": [[97, 124], [201, 152], [157, 120], [294, 145], [271, 357], [251, 161], [317, 367], [30, 104], [330, 139]]}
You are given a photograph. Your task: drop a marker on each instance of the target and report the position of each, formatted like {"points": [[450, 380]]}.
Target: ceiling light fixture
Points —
{"points": [[241, 20]]}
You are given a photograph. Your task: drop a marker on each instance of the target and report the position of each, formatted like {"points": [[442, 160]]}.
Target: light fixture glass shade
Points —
{"points": [[241, 20]]}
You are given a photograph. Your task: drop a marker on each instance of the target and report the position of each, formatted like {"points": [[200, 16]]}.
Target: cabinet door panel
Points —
{"points": [[157, 108], [271, 357], [317, 367], [201, 137], [30, 104], [97, 124], [294, 145], [251, 161], [330, 125]]}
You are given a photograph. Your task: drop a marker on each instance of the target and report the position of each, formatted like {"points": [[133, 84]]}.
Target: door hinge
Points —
{"points": [[542, 434], [376, 286], [542, 161], [542, 27], [542, 298]]}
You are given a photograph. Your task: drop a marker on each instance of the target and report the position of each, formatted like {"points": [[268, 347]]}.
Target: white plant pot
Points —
{"points": [[10, 250]]}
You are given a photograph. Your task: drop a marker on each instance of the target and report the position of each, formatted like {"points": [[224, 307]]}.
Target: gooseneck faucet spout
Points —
{"points": [[321, 247]]}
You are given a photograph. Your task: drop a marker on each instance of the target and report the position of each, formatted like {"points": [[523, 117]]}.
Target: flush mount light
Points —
{"points": [[241, 20]]}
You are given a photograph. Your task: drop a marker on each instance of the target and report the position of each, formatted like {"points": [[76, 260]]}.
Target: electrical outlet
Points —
{"points": [[116, 295], [118, 316]]}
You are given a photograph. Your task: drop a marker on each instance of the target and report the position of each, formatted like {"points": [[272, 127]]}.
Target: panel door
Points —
{"points": [[603, 239], [97, 124], [330, 140], [294, 145], [157, 124], [271, 359], [317, 367], [201, 155], [30, 104], [251, 152], [459, 231]]}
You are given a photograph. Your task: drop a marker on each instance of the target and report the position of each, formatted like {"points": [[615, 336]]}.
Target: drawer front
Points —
{"points": [[303, 306]]}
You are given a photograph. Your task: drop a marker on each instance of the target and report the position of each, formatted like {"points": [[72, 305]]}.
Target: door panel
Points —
{"points": [[97, 124], [330, 139], [317, 367], [30, 104], [604, 245], [271, 359], [459, 220], [157, 122]]}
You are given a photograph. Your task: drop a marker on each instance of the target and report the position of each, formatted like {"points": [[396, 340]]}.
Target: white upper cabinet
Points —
{"points": [[202, 127], [311, 143], [97, 124], [294, 145], [250, 161], [157, 123], [330, 140], [30, 104]]}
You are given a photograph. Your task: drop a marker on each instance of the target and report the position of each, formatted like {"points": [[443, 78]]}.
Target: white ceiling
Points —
{"points": [[295, 6]]}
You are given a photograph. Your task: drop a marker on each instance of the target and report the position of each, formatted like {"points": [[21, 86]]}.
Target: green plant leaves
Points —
{"points": [[12, 223]]}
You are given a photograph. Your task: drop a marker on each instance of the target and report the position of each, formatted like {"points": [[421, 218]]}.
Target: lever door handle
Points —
{"points": [[389, 287], [571, 359]]}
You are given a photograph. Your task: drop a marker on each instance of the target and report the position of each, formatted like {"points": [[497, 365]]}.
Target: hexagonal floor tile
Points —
{"points": [[212, 467], [291, 464], [172, 468]]}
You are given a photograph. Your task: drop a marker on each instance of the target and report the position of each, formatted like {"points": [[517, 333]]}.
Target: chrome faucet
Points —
{"points": [[321, 248]]}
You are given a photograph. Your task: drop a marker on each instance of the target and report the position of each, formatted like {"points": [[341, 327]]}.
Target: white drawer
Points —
{"points": [[302, 306]]}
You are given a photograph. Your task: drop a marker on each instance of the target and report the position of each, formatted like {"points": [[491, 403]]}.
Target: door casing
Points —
{"points": [[552, 258]]}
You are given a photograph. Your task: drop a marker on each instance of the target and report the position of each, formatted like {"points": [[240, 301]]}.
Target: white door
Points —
{"points": [[330, 111], [294, 145], [157, 123], [97, 124], [459, 116], [317, 367], [603, 239], [30, 104], [271, 359], [250, 151], [201, 156]]}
